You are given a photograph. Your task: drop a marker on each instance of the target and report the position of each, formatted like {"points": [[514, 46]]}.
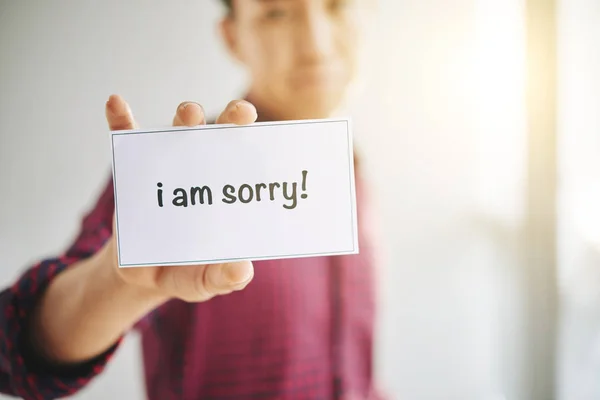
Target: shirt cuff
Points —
{"points": [[33, 377]]}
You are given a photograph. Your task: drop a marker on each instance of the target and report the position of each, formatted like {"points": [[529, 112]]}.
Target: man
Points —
{"points": [[285, 329]]}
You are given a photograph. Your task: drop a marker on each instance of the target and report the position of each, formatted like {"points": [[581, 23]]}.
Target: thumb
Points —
{"points": [[118, 114]]}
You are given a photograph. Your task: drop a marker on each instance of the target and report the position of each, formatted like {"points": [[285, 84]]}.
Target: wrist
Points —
{"points": [[97, 306]]}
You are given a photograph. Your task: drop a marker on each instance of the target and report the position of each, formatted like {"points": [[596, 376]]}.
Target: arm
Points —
{"points": [[62, 320], [96, 309], [25, 370]]}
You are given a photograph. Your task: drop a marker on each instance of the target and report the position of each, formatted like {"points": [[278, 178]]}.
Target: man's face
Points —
{"points": [[301, 54]]}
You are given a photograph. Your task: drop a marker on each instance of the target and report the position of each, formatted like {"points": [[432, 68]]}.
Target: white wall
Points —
{"points": [[433, 135], [579, 127]]}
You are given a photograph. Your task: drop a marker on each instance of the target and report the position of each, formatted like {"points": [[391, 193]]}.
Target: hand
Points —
{"points": [[190, 283]]}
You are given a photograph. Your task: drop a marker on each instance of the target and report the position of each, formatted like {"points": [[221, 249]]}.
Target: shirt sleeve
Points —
{"points": [[22, 372]]}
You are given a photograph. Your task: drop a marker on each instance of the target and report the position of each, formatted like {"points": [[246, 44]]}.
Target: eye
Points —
{"points": [[339, 5], [276, 13]]}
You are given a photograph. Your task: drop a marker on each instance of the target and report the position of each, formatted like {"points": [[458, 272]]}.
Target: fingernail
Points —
{"points": [[110, 104], [185, 105], [241, 105], [237, 273]]}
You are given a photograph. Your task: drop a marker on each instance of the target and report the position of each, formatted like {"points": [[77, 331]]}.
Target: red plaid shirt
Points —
{"points": [[301, 330]]}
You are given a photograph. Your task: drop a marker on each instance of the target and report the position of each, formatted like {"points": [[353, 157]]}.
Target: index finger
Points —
{"points": [[118, 114]]}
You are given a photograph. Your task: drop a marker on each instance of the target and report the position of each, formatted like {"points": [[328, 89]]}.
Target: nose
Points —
{"points": [[315, 37]]}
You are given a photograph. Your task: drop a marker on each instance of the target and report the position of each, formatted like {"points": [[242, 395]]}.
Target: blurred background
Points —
{"points": [[480, 128]]}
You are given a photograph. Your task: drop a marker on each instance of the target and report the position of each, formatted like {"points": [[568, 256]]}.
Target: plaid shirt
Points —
{"points": [[301, 330]]}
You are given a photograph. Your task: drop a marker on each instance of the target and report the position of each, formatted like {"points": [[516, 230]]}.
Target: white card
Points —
{"points": [[221, 193]]}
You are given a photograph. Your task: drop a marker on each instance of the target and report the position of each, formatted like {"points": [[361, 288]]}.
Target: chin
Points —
{"points": [[317, 104]]}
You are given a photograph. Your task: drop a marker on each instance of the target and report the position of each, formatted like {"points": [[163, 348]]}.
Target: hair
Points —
{"points": [[228, 4]]}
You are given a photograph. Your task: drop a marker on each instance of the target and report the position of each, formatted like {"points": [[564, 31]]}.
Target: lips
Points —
{"points": [[316, 77]]}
